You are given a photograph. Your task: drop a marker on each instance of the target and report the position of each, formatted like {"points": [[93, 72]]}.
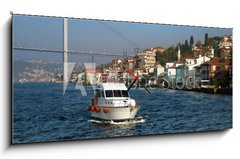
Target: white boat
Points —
{"points": [[112, 102]]}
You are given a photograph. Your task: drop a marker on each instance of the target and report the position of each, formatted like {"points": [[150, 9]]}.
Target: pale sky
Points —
{"points": [[98, 36]]}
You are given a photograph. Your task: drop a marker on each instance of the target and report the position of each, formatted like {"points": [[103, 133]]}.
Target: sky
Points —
{"points": [[98, 36]]}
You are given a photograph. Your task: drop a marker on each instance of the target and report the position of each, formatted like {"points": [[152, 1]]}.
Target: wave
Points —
{"points": [[125, 122]]}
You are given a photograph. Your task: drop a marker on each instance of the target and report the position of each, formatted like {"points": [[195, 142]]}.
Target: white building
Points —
{"points": [[169, 64], [191, 64], [171, 72], [160, 70], [146, 58], [179, 64], [151, 70]]}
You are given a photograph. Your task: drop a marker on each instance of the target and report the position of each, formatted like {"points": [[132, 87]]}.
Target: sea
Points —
{"points": [[42, 112]]}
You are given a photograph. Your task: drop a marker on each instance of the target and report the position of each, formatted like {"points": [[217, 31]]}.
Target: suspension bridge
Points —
{"points": [[66, 52]]}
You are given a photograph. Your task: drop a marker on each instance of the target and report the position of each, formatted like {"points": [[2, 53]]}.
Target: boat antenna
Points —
{"points": [[136, 79]]}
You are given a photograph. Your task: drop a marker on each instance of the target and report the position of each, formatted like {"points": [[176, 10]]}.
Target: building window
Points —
{"points": [[214, 68]]}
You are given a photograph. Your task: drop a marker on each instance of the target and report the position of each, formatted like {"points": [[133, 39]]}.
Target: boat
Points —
{"points": [[112, 101]]}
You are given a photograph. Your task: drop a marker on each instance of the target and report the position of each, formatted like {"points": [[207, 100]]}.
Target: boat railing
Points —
{"points": [[119, 102]]}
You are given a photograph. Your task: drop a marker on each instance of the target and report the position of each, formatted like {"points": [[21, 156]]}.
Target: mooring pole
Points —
{"points": [[65, 54]]}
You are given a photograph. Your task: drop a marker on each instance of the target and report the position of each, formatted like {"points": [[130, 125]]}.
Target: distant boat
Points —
{"points": [[112, 101]]}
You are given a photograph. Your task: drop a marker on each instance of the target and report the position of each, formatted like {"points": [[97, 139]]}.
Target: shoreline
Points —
{"points": [[226, 91]]}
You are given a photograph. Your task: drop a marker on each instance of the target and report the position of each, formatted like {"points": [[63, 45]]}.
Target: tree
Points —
{"points": [[186, 44], [214, 43], [169, 55], [158, 56], [186, 47], [206, 40], [191, 41], [221, 77]]}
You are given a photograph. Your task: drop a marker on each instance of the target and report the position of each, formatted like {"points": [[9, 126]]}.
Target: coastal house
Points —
{"points": [[159, 70], [181, 74], [131, 61], [179, 64], [197, 50], [169, 64], [146, 59], [171, 72], [98, 76], [192, 62], [158, 49], [201, 59], [208, 69], [225, 46], [200, 50], [151, 70], [139, 72], [171, 69], [90, 76]]}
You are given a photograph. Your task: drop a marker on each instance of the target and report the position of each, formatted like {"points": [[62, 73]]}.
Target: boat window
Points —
{"points": [[98, 94], [109, 93], [102, 94], [117, 93], [125, 93]]}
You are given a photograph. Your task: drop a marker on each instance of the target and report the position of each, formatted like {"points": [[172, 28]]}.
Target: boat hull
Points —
{"points": [[116, 113]]}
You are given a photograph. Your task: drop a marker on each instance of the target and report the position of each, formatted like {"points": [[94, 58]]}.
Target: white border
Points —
{"points": [[223, 144]]}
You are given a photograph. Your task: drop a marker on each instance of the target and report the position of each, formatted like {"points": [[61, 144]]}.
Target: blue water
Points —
{"points": [[41, 113]]}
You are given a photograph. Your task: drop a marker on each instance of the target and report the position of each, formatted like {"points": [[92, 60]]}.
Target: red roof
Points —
{"points": [[190, 57], [159, 47], [216, 61], [147, 50], [104, 74], [140, 69], [179, 62], [98, 71]]}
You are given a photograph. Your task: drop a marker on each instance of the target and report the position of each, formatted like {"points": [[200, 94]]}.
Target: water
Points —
{"points": [[41, 113]]}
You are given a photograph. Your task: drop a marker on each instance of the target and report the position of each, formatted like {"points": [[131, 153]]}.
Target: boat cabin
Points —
{"points": [[111, 90]]}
